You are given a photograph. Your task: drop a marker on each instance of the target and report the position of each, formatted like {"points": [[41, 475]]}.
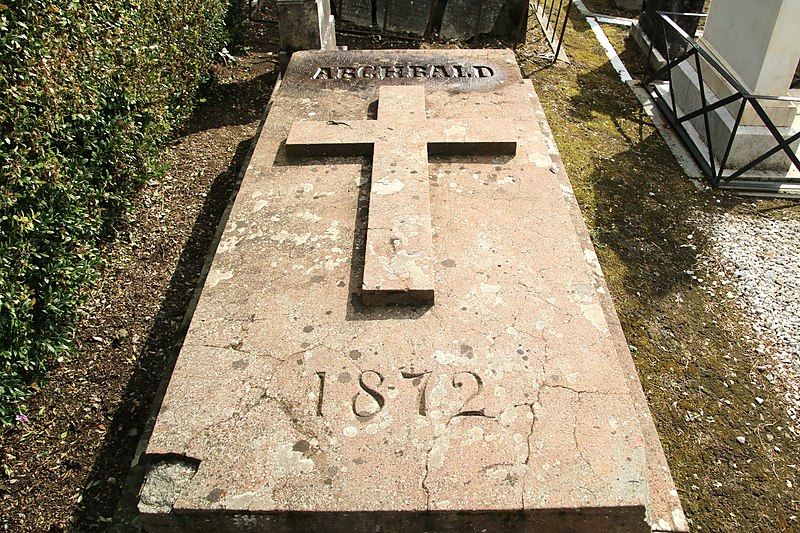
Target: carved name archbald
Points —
{"points": [[399, 258], [383, 72]]}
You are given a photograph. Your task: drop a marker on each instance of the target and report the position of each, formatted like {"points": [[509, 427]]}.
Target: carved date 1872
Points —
{"points": [[369, 400]]}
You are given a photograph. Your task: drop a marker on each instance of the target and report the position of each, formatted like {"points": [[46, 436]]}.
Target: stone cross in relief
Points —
{"points": [[399, 257]]}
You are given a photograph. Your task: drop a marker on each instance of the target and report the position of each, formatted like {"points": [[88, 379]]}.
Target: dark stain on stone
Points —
{"points": [[239, 364], [328, 481], [520, 351], [340, 284], [358, 461], [308, 329], [304, 345], [301, 446], [215, 495], [448, 263], [355, 355], [467, 351], [344, 377], [317, 279]]}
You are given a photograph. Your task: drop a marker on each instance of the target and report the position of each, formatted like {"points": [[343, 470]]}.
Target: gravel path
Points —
{"points": [[761, 258]]}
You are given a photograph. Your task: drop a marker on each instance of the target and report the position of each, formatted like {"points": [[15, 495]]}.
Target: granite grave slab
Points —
{"points": [[503, 404]]}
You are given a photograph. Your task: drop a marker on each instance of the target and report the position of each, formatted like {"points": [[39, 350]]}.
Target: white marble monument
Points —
{"points": [[756, 42]]}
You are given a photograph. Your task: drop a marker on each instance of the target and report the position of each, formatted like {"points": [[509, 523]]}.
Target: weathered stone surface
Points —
{"points": [[305, 25], [393, 15], [457, 19], [463, 19], [504, 406], [664, 510]]}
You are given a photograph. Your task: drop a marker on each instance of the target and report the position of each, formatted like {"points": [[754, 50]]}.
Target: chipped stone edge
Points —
{"points": [[164, 482], [664, 510]]}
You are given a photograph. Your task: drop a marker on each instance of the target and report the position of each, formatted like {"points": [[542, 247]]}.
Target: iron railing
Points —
{"points": [[714, 163], [553, 16]]}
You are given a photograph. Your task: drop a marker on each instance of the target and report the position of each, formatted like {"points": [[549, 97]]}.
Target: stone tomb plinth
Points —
{"points": [[403, 328]]}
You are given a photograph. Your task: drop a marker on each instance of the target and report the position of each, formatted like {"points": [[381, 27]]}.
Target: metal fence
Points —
{"points": [[713, 159], [553, 16]]}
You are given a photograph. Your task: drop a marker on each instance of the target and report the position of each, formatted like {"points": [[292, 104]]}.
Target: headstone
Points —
{"points": [[306, 25], [392, 15], [454, 19], [507, 404], [756, 42], [650, 28], [463, 19]]}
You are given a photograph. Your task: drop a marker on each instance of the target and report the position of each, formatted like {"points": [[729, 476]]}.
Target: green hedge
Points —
{"points": [[88, 91]]}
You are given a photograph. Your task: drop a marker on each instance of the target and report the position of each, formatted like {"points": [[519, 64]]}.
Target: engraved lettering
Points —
{"points": [[345, 73], [377, 397], [419, 378], [362, 72], [402, 71], [483, 72], [390, 72], [321, 393], [478, 387], [418, 71], [322, 73], [439, 71]]}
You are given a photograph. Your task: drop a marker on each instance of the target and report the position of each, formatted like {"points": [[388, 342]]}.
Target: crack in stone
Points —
{"points": [[527, 461], [425, 478], [579, 392], [299, 352], [578, 448], [428, 457], [239, 413]]}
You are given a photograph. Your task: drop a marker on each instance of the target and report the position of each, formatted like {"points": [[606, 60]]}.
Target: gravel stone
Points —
{"points": [[761, 258]]}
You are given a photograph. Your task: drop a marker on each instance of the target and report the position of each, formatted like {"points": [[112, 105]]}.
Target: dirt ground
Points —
{"points": [[65, 469]]}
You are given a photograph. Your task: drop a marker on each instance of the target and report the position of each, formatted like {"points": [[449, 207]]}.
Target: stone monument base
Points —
{"points": [[752, 137]]}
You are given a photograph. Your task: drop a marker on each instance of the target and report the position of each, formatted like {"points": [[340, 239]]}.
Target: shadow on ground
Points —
{"points": [[239, 104]]}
